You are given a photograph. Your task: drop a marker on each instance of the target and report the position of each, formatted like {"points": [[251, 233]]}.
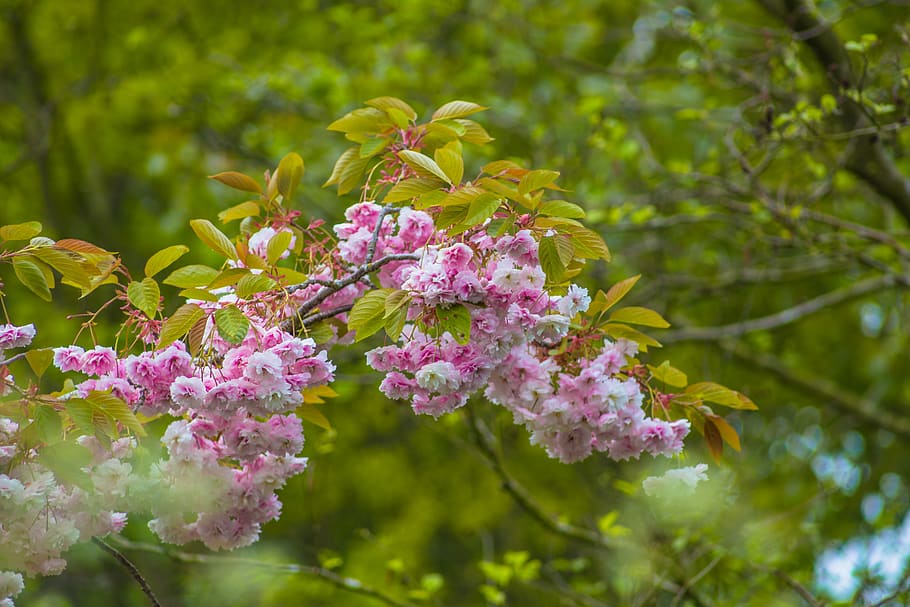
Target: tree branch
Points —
{"points": [[868, 159], [486, 445], [835, 395], [129, 566], [784, 317], [347, 584]]}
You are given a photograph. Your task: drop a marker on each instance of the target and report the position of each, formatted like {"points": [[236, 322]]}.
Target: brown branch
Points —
{"points": [[868, 159], [833, 394], [129, 566], [782, 318], [485, 442]]}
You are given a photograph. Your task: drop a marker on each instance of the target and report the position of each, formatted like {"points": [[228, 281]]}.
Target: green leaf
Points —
{"points": [[534, 180], [716, 393], [144, 295], [30, 275], [451, 163], [179, 323], [423, 165], [66, 262], [191, 276], [48, 424], [588, 243], [254, 283], [482, 208], [396, 313], [67, 460], [232, 324], [411, 188], [363, 120], [249, 208], [385, 103], [450, 216], [367, 315], [117, 409], [348, 169], [313, 415], [227, 277], [39, 360], [278, 246], [164, 258], [561, 208], [213, 238], [430, 199], [639, 316], [200, 294], [618, 331], [371, 147], [457, 109], [238, 181], [669, 375], [550, 259], [473, 132], [603, 302], [289, 174], [21, 231], [456, 320]]}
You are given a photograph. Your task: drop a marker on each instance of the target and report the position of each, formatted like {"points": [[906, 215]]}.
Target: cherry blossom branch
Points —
{"points": [[19, 356], [347, 584], [485, 442], [334, 286], [129, 566], [784, 317]]}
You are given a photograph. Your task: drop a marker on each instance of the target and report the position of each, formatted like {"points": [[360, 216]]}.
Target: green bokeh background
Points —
{"points": [[112, 114]]}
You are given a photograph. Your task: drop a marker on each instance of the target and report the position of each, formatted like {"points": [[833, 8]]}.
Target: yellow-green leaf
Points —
{"points": [[249, 208], [289, 173], [367, 315], [669, 375], [144, 295], [164, 258], [451, 163], [604, 301], [384, 103], [254, 283], [213, 238], [423, 165], [534, 180], [561, 208], [191, 276], [411, 188], [20, 231], [457, 109], [30, 275], [721, 395], [639, 316], [313, 415], [238, 181], [179, 323], [278, 246], [232, 324]]}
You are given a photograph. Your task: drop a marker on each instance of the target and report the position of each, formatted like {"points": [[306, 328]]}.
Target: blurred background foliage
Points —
{"points": [[747, 157]]}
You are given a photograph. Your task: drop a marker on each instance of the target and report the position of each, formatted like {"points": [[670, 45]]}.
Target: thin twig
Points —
{"points": [[129, 566]]}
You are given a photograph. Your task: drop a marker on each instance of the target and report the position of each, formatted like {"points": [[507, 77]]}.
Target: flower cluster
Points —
{"points": [[235, 440], [42, 519], [514, 322]]}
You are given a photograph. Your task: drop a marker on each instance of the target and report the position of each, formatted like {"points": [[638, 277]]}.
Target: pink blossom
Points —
{"points": [[12, 336], [99, 361], [68, 358]]}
